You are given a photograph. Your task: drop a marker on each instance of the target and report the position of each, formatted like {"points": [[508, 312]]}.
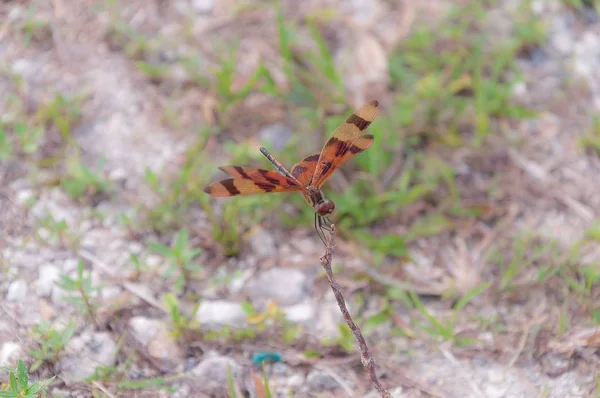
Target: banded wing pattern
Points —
{"points": [[308, 175], [250, 181], [304, 170], [345, 142]]}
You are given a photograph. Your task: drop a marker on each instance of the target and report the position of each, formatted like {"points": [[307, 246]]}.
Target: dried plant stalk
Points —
{"points": [[365, 355]]}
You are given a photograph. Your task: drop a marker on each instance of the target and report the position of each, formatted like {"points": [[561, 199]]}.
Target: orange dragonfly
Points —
{"points": [[308, 175]]}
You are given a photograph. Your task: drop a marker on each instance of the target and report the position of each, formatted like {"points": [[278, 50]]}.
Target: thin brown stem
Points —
{"points": [[365, 355]]}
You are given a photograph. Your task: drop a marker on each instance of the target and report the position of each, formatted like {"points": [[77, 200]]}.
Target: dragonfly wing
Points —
{"points": [[345, 142]]}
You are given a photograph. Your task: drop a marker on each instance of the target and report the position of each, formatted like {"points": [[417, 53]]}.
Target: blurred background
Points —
{"points": [[468, 239]]}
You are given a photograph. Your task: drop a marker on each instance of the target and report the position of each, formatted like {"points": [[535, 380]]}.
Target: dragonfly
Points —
{"points": [[308, 175]]}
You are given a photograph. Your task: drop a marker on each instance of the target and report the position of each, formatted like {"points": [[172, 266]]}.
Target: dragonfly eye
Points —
{"points": [[325, 208]]}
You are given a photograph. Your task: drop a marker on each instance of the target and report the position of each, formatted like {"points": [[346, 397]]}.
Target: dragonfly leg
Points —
{"points": [[319, 228], [327, 224], [322, 224]]}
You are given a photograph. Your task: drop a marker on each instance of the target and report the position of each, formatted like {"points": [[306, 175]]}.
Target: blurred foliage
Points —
{"points": [[450, 84]]}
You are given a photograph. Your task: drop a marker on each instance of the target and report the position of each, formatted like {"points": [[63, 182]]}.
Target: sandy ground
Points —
{"points": [[535, 340]]}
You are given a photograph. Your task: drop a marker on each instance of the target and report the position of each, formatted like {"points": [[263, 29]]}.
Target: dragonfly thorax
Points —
{"points": [[325, 207], [322, 206]]}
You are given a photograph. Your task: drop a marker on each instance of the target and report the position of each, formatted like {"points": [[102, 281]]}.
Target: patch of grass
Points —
{"points": [[312, 77], [269, 323], [180, 321], [19, 384], [233, 390], [34, 28], [579, 5], [6, 148], [152, 383], [593, 233], [381, 317], [314, 69], [62, 113], [177, 196], [529, 31], [454, 82], [583, 278], [529, 261], [272, 318], [139, 264], [180, 256], [43, 139], [56, 232], [389, 244], [345, 339], [524, 251], [28, 138], [450, 87], [155, 72], [40, 138], [225, 72], [117, 376], [217, 75], [446, 328], [82, 292], [184, 193], [591, 141], [50, 343], [588, 277], [121, 36], [262, 385], [17, 136], [80, 182]]}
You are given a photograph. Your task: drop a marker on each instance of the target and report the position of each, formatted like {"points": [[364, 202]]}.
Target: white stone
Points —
{"points": [[287, 286], [320, 380], [156, 337], [329, 317], [22, 66], [111, 292], [49, 274], [17, 290], [9, 352], [210, 376], [301, 312], [561, 37], [261, 242], [295, 380], [86, 352], [117, 174], [144, 329], [537, 6], [237, 284], [203, 6], [24, 195], [520, 89], [217, 313]]}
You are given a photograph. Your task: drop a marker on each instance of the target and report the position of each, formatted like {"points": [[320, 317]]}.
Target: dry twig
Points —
{"points": [[365, 355]]}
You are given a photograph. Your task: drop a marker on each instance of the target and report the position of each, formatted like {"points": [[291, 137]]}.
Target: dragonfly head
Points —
{"points": [[325, 207]]}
